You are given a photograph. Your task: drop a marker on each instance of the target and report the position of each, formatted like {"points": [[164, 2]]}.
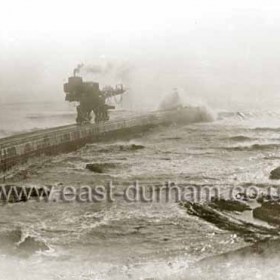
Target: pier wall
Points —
{"points": [[19, 148]]}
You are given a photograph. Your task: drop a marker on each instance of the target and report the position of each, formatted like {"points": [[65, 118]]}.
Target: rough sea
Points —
{"points": [[135, 240]]}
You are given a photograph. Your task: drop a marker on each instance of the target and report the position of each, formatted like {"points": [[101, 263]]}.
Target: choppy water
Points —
{"points": [[159, 240]]}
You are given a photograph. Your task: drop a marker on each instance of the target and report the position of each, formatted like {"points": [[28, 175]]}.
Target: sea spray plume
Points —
{"points": [[123, 72], [176, 100], [171, 101]]}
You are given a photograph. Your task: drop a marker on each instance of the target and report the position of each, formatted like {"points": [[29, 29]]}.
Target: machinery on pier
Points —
{"points": [[90, 98]]}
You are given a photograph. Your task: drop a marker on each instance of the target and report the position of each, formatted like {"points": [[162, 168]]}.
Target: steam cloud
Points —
{"points": [[116, 72]]}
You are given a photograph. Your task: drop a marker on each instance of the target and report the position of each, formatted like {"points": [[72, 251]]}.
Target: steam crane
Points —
{"points": [[90, 98]]}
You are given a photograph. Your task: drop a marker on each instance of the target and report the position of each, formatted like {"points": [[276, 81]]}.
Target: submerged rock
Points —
{"points": [[275, 174], [99, 167]]}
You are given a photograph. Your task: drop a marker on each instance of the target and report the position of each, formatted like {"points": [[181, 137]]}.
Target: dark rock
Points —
{"points": [[132, 147], [245, 196], [94, 167], [137, 147], [268, 212], [99, 167], [267, 198], [222, 221], [275, 174], [229, 205]]}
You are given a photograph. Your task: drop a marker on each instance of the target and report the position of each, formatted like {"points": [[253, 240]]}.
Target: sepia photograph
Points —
{"points": [[139, 140]]}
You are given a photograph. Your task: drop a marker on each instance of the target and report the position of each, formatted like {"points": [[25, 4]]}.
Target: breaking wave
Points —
{"points": [[21, 241]]}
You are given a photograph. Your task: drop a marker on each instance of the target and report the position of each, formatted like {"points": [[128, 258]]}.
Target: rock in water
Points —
{"points": [[275, 174], [268, 212], [213, 215], [137, 147], [229, 205], [95, 167], [99, 167], [132, 147]]}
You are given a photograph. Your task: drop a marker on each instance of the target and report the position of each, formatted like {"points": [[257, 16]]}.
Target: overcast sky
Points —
{"points": [[223, 53]]}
